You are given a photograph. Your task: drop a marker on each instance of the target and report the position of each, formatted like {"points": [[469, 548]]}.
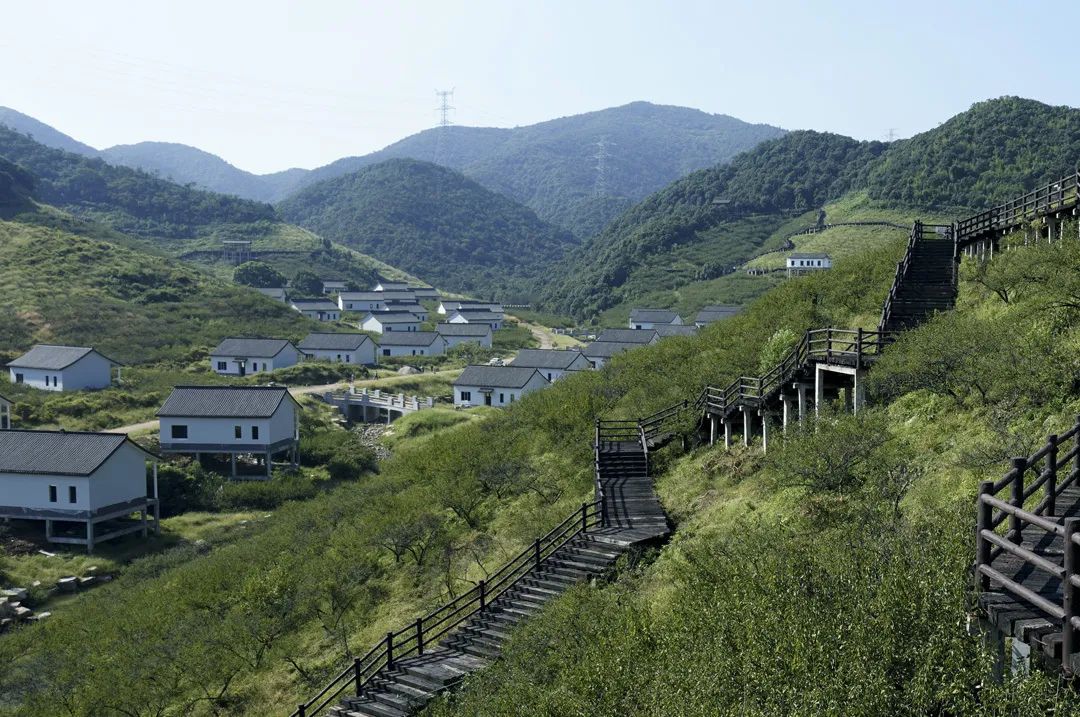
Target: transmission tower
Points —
{"points": [[442, 142], [600, 188], [891, 136]]}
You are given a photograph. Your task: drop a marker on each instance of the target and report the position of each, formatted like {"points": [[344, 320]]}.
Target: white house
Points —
{"points": [[651, 318], [365, 301], [62, 368], [261, 421], [333, 286], [495, 385], [552, 364], [465, 333], [5, 414], [715, 312], [341, 348], [385, 285], [805, 263], [240, 356], [382, 322], [449, 307], [461, 316], [411, 343], [275, 293], [600, 352], [318, 309], [69, 477], [629, 336]]}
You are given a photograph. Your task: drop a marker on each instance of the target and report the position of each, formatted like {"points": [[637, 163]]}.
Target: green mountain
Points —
{"points": [[43, 133], [434, 223], [686, 237], [16, 185]]}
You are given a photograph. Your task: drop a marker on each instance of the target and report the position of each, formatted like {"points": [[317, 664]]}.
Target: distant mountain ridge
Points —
{"points": [[551, 167]]}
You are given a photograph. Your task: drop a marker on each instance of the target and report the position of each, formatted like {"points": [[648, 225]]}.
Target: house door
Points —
{"points": [[243, 368], [487, 399]]}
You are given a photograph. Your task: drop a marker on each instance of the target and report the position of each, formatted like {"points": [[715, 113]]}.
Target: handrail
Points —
{"points": [[1055, 195]]}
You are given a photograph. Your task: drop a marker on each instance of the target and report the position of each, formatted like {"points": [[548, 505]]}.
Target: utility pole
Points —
{"points": [[600, 188], [442, 142]]}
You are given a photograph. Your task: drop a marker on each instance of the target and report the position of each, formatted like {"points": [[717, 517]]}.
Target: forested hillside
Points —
{"points": [[43, 133], [434, 223], [16, 185]]}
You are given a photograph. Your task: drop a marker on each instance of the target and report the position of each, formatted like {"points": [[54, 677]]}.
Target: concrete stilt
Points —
{"points": [[48, 529], [145, 527], [819, 390], [860, 393], [748, 427], [785, 401], [90, 537], [801, 395], [727, 433], [712, 430], [232, 463], [764, 431], [269, 465]]}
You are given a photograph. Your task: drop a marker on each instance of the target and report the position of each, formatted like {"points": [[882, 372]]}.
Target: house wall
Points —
{"points": [[363, 356], [499, 396], [435, 349], [119, 479], [32, 491], [319, 315], [89, 372], [361, 305], [220, 431], [373, 324], [289, 356], [458, 319], [452, 341]]}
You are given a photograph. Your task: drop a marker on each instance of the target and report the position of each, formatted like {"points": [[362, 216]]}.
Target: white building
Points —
{"points": [[241, 357], [411, 343], [465, 333], [333, 286], [382, 322], [341, 348], [365, 301], [651, 318], [600, 352], [62, 368], [714, 313], [495, 385], [461, 316], [68, 478], [805, 263], [318, 309], [386, 285], [260, 421], [415, 309], [552, 364], [5, 414], [449, 307]]}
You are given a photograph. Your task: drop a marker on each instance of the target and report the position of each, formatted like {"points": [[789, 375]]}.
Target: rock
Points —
{"points": [[47, 554], [408, 371], [6, 610], [68, 585], [22, 613], [39, 616], [202, 547], [35, 584], [91, 570], [105, 578], [14, 593], [87, 581], [5, 623]]}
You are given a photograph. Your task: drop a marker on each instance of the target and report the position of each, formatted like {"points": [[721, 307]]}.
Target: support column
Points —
{"points": [[748, 427], [90, 537], [727, 433], [48, 529], [849, 402], [232, 463], [860, 392], [819, 389], [785, 401], [712, 430], [269, 465], [801, 394], [145, 528], [764, 431]]}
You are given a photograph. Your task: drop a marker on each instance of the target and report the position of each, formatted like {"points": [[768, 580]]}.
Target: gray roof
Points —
{"points": [[224, 401], [665, 331], [53, 358], [478, 315], [408, 338], [663, 316], [715, 312], [394, 317], [274, 292], [392, 285], [250, 348], [545, 358], [397, 297], [362, 296], [332, 342], [68, 453], [628, 336], [496, 376], [607, 349], [4, 399], [315, 304], [425, 291], [463, 329], [810, 255], [412, 308]]}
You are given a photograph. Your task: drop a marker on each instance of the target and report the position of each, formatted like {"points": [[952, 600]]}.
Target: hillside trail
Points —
{"points": [[548, 339], [295, 391]]}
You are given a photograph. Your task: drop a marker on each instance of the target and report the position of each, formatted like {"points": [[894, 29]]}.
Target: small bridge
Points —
{"points": [[371, 406]]}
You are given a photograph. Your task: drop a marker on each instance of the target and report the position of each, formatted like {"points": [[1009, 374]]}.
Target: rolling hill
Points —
{"points": [[434, 223], [43, 133]]}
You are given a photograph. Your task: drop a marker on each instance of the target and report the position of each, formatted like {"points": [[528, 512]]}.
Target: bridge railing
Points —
{"points": [[1043, 477], [1058, 194], [428, 630]]}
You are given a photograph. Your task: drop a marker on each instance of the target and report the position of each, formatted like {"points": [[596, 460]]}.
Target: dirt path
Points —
{"points": [[549, 339], [297, 391]]}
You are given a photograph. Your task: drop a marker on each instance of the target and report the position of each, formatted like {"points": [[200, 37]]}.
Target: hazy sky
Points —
{"points": [[272, 84]]}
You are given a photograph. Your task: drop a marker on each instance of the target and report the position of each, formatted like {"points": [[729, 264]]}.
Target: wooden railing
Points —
{"points": [[1046, 473], [919, 232], [1056, 195], [425, 631], [852, 347]]}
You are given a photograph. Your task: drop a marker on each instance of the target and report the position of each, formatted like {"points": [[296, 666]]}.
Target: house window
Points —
{"points": [[254, 433], [18, 378], [386, 352], [72, 495], [348, 358], [511, 398], [421, 352], [179, 431], [389, 328], [222, 365], [339, 357], [52, 494], [502, 399], [238, 432], [414, 352], [549, 376], [466, 395]]}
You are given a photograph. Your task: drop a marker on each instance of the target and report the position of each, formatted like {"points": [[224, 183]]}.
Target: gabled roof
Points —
{"points": [[392, 285], [607, 349], [497, 376], [628, 336], [410, 308], [811, 255], [250, 348], [327, 283], [663, 316], [54, 358], [425, 291], [478, 315], [314, 304], [463, 329], [4, 399], [409, 338], [665, 330], [393, 317], [546, 358], [362, 296], [69, 453], [397, 297], [715, 312], [224, 401], [274, 292], [332, 342]]}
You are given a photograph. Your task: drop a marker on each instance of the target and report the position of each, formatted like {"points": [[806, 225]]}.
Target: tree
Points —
{"points": [[307, 283], [259, 274]]}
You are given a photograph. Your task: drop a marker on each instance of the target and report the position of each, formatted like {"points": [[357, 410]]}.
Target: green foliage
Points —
{"points": [[258, 274], [306, 283], [16, 185], [433, 223], [775, 348]]}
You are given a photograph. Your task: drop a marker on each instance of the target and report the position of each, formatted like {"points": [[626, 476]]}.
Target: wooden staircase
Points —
{"points": [[925, 281]]}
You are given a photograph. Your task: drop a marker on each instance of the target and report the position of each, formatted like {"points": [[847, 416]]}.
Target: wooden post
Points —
{"points": [[858, 350], [358, 678], [389, 651], [536, 550], [1016, 525], [1070, 594], [584, 517], [301, 710], [483, 594], [1051, 471], [982, 546], [419, 636]]}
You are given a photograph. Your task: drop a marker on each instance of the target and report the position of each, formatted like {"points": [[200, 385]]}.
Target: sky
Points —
{"points": [[269, 85]]}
